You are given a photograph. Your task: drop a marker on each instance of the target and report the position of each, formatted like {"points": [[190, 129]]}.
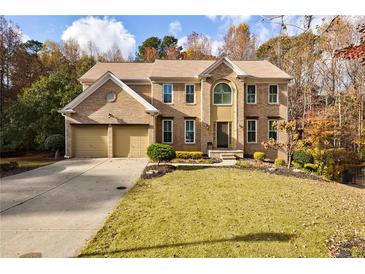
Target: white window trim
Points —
{"points": [[277, 95], [172, 131], [220, 82], [255, 94], [256, 123], [268, 129], [172, 93], [190, 84], [186, 120]]}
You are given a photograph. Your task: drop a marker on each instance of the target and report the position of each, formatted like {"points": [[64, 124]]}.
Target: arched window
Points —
{"points": [[222, 94]]}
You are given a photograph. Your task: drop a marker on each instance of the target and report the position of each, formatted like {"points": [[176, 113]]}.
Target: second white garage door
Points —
{"points": [[130, 140]]}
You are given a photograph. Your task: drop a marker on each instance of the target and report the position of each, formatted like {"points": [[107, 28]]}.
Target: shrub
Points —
{"points": [[9, 166], [189, 154], [311, 167], [279, 162], [303, 157], [243, 163], [55, 143], [161, 152], [297, 165], [259, 156]]}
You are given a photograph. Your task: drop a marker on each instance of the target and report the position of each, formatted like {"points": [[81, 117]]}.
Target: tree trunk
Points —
{"points": [[57, 155]]}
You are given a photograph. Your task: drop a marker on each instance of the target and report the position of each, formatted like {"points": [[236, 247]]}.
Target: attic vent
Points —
{"points": [[111, 97]]}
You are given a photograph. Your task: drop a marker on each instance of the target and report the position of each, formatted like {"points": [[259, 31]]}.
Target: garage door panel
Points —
{"points": [[90, 141], [130, 141]]}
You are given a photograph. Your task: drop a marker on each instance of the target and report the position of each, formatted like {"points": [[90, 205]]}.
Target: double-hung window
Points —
{"points": [[251, 131], [167, 93], [273, 94], [190, 94], [251, 94], [189, 131], [167, 131], [273, 132]]}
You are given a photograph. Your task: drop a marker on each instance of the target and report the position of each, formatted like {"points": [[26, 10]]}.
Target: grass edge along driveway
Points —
{"points": [[229, 212]]}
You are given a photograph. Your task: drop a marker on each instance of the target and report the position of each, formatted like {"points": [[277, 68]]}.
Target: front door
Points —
{"points": [[222, 134]]}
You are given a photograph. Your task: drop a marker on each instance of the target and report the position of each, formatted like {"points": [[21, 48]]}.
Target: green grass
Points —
{"points": [[26, 162], [229, 213]]}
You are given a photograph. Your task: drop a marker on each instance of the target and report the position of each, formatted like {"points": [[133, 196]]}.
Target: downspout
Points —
{"points": [[66, 144]]}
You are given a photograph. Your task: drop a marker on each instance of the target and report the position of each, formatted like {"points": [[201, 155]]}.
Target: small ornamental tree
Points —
{"points": [[292, 141], [55, 143], [161, 152]]}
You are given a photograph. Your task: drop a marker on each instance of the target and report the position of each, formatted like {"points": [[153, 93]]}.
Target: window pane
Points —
{"points": [[167, 126], [167, 137], [273, 135], [218, 98], [189, 93], [273, 94], [226, 98], [251, 137], [222, 94], [167, 93], [252, 125], [189, 131]]}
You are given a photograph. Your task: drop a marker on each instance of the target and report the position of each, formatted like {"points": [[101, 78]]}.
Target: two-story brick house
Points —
{"points": [[210, 106]]}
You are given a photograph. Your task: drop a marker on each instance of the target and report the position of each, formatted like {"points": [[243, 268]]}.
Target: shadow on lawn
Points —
{"points": [[252, 237]]}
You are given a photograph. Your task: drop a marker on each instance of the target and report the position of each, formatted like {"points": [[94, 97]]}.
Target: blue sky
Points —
{"points": [[130, 31]]}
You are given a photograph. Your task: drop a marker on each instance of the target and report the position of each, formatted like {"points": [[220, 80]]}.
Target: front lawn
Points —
{"points": [[228, 212], [26, 162]]}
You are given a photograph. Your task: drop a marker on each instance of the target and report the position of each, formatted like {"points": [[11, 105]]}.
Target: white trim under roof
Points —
{"points": [[98, 83], [226, 61]]}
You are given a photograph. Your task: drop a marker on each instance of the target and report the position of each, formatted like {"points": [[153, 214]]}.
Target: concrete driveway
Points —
{"points": [[51, 211]]}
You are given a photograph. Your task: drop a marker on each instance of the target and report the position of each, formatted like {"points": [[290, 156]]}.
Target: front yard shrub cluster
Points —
{"points": [[189, 154], [311, 167], [161, 152], [297, 165], [303, 157], [279, 162], [260, 156]]}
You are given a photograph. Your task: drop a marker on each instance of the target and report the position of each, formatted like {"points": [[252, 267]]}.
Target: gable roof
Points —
{"points": [[227, 62], [183, 69], [101, 81]]}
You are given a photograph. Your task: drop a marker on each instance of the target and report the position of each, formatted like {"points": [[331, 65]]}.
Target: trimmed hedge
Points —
{"points": [[189, 154], [161, 152], [303, 157], [279, 162], [260, 156]]}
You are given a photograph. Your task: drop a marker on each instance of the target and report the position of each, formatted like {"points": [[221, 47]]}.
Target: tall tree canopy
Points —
{"points": [[198, 47], [239, 43], [153, 48]]}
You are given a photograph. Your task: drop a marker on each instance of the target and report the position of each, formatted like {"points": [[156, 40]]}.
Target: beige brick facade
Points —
{"points": [[126, 110]]}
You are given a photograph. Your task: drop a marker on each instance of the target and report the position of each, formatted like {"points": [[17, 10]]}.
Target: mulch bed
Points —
{"points": [[152, 171], [272, 169], [352, 248], [289, 172]]}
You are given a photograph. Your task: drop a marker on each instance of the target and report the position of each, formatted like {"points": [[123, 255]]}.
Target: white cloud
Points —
{"points": [[104, 33], [216, 45], [182, 41], [175, 27], [230, 19], [25, 37]]}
